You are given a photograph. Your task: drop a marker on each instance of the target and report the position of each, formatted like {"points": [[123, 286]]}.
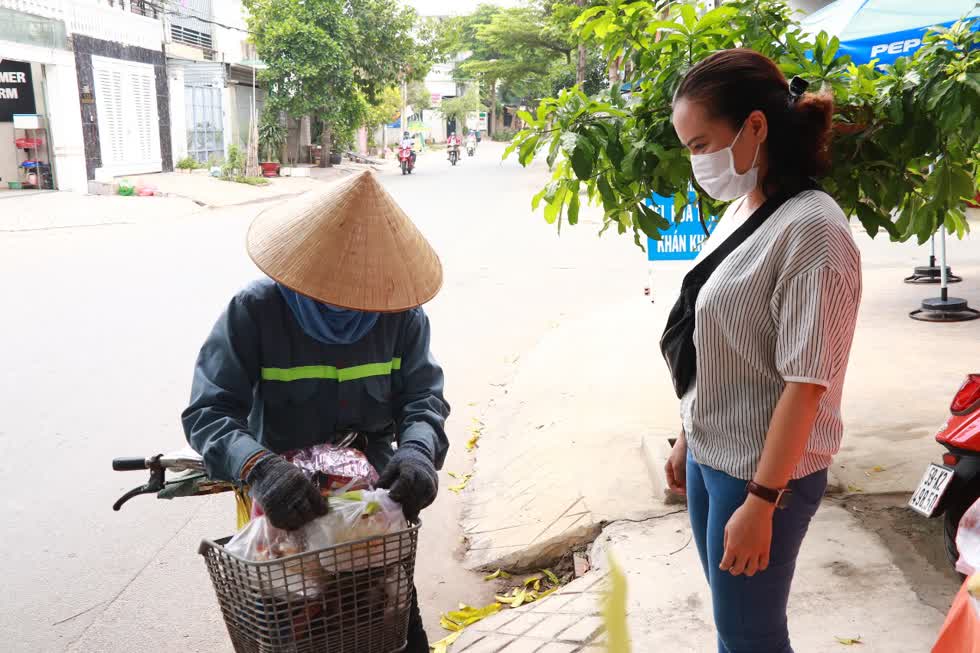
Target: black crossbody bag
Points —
{"points": [[677, 342]]}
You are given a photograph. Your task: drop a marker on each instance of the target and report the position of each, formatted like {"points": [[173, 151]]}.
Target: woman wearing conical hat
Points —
{"points": [[333, 341]]}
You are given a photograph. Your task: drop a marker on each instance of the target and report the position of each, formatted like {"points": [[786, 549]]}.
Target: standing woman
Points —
{"points": [[770, 309]]}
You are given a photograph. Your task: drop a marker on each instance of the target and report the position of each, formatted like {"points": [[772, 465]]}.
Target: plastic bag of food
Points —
{"points": [[260, 541], [334, 467], [354, 515], [357, 516], [968, 541]]}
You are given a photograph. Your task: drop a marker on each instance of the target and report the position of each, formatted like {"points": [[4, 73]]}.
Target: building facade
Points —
{"points": [[123, 87], [213, 78], [96, 83]]}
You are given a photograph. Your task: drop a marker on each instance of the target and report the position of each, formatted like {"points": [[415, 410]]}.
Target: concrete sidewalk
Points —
{"points": [[846, 587], [205, 190], [179, 194], [62, 210]]}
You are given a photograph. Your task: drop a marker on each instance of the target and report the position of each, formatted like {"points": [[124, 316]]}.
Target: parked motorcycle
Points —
{"points": [[454, 154], [950, 488], [406, 159]]}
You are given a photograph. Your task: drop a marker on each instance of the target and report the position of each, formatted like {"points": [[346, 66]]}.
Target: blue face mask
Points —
{"points": [[328, 324]]}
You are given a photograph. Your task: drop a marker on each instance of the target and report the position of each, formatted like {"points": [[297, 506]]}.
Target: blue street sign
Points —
{"points": [[682, 241]]}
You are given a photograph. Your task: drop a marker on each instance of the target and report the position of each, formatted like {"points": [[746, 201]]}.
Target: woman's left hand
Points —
{"points": [[748, 536]]}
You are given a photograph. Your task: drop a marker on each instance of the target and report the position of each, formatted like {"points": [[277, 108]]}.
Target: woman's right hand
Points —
{"points": [[676, 467]]}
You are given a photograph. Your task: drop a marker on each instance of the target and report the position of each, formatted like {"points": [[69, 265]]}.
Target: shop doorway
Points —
{"points": [[25, 143], [205, 122]]}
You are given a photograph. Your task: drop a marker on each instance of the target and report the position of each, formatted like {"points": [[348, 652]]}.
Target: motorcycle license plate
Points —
{"points": [[931, 489]]}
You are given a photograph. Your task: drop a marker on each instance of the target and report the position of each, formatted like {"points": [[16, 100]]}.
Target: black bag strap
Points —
{"points": [[704, 269]]}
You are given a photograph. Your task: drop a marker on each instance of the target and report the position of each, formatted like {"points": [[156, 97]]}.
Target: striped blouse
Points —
{"points": [[780, 308]]}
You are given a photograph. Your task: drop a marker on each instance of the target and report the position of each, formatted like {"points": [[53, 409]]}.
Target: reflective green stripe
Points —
{"points": [[330, 372]]}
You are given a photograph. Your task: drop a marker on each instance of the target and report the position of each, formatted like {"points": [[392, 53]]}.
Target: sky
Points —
{"points": [[459, 7]]}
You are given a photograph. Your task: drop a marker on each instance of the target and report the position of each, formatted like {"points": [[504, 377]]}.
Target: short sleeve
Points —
{"points": [[815, 312]]}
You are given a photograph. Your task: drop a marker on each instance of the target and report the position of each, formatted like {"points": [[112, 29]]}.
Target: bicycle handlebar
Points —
{"points": [[129, 464]]}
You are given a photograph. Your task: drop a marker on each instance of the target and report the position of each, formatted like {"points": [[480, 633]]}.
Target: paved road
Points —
{"points": [[99, 333]]}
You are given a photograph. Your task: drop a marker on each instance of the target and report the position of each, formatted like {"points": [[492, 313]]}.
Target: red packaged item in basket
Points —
{"points": [[335, 468], [332, 468]]}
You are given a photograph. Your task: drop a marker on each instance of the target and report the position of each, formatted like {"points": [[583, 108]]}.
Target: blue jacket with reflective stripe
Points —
{"points": [[262, 383]]}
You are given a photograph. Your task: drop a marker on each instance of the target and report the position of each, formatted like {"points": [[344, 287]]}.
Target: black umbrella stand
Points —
{"points": [[932, 273], [944, 308]]}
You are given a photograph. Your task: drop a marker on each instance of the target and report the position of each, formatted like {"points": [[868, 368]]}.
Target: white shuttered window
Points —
{"points": [[129, 127]]}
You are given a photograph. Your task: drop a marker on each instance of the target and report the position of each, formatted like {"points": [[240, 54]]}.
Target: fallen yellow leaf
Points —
{"points": [[551, 576], [500, 573], [464, 479], [442, 646], [532, 579], [849, 641], [467, 615], [519, 600], [614, 610], [449, 624]]}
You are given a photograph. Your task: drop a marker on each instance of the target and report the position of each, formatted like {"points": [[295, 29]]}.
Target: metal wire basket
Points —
{"points": [[349, 598]]}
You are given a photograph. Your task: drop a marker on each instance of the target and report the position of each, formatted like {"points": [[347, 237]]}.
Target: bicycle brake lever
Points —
{"points": [[143, 489], [154, 485]]}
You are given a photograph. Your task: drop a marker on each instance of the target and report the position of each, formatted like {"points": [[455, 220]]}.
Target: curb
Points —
{"points": [[656, 450]]}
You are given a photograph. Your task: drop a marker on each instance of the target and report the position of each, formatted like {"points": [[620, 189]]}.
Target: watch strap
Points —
{"points": [[779, 498]]}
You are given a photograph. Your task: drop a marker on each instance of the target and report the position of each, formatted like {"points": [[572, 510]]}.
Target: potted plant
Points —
{"points": [[272, 135], [188, 164]]}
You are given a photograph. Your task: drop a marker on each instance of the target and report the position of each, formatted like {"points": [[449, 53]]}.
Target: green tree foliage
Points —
{"points": [[333, 58], [457, 108], [905, 153], [419, 97], [518, 54], [384, 109]]}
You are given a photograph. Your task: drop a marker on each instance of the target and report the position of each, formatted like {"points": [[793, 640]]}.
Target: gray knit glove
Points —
{"points": [[411, 480], [287, 497]]}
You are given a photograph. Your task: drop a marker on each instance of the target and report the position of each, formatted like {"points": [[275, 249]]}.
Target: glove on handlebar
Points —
{"points": [[411, 479], [287, 497]]}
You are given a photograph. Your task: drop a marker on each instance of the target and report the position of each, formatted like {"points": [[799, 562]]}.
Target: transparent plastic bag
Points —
{"points": [[968, 541], [357, 515], [354, 515]]}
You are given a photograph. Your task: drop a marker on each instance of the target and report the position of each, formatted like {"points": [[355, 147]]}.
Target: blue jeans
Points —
{"points": [[750, 613]]}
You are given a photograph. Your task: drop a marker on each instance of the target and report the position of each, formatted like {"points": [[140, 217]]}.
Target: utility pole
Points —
{"points": [[580, 70], [404, 120]]}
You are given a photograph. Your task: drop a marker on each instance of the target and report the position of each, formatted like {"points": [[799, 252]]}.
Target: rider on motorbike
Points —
{"points": [[471, 141], [452, 142], [408, 143], [286, 367]]}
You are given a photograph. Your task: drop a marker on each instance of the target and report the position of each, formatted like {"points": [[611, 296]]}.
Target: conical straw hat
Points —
{"points": [[350, 246]]}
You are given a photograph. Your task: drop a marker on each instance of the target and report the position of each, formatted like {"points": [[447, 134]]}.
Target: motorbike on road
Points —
{"points": [[453, 154], [470, 148], [950, 488], [406, 159], [352, 597]]}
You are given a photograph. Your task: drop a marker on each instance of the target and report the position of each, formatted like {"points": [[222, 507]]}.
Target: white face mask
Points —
{"points": [[715, 173]]}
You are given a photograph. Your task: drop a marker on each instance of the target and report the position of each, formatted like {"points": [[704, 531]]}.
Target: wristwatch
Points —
{"points": [[779, 498]]}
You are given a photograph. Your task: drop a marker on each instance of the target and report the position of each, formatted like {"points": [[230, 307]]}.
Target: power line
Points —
{"points": [[164, 9]]}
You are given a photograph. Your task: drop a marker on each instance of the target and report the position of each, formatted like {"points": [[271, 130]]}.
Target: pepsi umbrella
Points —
{"points": [[886, 29]]}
